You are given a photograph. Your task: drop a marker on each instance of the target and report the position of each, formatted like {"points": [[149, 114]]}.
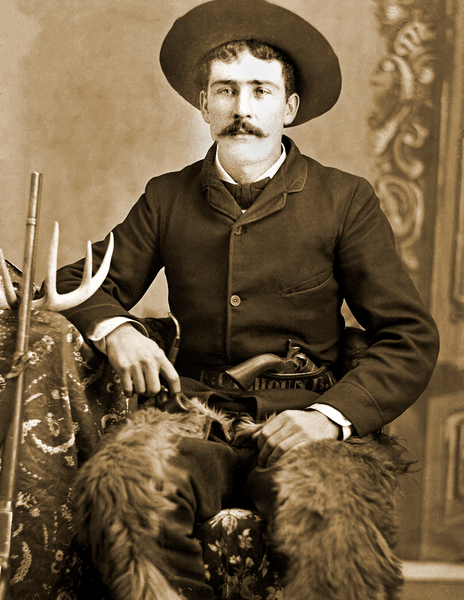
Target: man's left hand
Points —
{"points": [[290, 429]]}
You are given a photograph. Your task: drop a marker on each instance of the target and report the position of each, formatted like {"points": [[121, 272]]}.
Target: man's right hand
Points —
{"points": [[138, 361]]}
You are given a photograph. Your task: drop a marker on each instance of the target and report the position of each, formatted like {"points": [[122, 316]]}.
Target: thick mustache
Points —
{"points": [[239, 126]]}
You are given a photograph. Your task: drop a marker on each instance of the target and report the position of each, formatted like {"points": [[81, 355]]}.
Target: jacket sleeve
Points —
{"points": [[401, 334], [135, 263]]}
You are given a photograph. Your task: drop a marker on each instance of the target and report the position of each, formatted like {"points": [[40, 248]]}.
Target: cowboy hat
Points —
{"points": [[209, 25]]}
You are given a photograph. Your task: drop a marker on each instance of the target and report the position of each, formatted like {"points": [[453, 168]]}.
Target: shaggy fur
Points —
{"points": [[119, 499], [335, 519]]}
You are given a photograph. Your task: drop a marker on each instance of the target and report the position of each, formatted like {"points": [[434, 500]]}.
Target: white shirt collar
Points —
{"points": [[224, 175]]}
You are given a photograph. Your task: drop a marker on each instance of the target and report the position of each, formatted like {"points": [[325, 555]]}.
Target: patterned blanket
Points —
{"points": [[70, 394]]}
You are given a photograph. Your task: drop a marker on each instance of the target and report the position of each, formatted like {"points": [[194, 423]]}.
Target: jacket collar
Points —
{"points": [[290, 178]]}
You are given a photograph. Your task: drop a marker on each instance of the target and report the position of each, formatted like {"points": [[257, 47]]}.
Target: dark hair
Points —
{"points": [[230, 50]]}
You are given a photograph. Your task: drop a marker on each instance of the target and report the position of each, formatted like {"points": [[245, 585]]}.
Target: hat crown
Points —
{"points": [[217, 22]]}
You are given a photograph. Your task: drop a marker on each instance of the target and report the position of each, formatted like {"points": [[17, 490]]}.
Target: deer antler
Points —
{"points": [[52, 300], [8, 289]]}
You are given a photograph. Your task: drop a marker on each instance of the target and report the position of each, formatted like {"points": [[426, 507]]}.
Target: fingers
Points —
{"points": [[273, 448], [143, 379], [139, 361], [136, 380], [126, 383], [151, 370], [170, 374], [268, 430], [272, 441], [150, 381], [146, 376], [291, 429], [271, 454]]}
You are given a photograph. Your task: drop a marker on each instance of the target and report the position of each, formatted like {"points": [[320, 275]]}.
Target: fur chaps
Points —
{"points": [[335, 518], [119, 501]]}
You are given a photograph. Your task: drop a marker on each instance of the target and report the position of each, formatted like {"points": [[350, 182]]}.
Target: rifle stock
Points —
{"points": [[11, 448]]}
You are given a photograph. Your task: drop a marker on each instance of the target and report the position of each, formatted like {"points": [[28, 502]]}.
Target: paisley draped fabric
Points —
{"points": [[70, 392]]}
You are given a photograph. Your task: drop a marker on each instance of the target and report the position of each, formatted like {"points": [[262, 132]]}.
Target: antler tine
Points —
{"points": [[52, 261], [89, 285], [10, 292]]}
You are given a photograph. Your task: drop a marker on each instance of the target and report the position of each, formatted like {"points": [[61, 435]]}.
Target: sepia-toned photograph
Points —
{"points": [[232, 300]]}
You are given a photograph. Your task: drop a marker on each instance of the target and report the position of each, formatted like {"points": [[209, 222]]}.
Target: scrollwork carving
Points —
{"points": [[403, 203], [405, 84]]}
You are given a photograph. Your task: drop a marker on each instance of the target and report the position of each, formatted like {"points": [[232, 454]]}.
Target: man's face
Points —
{"points": [[246, 108]]}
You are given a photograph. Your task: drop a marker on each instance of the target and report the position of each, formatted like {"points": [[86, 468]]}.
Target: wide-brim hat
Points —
{"points": [[317, 70]]}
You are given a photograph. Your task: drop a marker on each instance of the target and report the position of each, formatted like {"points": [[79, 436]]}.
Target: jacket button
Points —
{"points": [[235, 300], [238, 230]]}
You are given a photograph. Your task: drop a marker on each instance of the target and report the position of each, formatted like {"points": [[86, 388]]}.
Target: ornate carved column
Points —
{"points": [[405, 126], [417, 130]]}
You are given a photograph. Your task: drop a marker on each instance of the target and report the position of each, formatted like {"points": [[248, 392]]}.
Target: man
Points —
{"points": [[259, 268]]}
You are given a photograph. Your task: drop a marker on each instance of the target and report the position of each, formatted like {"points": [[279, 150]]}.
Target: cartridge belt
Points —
{"points": [[318, 381]]}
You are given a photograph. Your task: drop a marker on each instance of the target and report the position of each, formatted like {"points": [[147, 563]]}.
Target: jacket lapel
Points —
{"points": [[290, 178]]}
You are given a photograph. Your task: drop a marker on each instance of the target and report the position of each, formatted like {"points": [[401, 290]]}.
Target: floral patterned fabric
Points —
{"points": [[236, 557], [69, 392]]}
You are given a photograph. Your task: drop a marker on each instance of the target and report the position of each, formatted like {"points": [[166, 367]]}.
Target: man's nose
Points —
{"points": [[243, 108]]}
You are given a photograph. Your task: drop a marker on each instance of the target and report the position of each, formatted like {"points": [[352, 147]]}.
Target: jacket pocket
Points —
{"points": [[316, 283]]}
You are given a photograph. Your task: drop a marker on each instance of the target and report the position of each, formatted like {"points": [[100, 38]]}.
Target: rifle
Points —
{"points": [[10, 459], [51, 301]]}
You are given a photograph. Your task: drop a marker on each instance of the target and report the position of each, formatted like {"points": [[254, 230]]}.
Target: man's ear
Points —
{"points": [[293, 103], [204, 106]]}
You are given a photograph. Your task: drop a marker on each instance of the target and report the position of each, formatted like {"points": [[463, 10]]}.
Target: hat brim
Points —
{"points": [[217, 22]]}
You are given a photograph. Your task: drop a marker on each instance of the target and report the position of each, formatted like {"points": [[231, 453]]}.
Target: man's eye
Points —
{"points": [[260, 91], [226, 91]]}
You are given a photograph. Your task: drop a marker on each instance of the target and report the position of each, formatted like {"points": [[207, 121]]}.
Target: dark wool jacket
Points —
{"points": [[244, 284]]}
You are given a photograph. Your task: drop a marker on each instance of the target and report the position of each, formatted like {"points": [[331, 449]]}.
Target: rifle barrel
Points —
{"points": [[10, 459]]}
